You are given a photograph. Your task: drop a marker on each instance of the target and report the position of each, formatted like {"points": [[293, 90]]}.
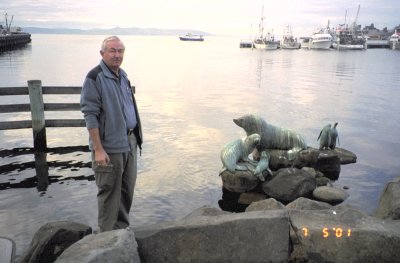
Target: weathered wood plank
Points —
{"points": [[15, 108], [11, 125], [25, 124], [61, 90], [48, 90], [13, 91], [66, 123], [8, 91], [47, 107], [62, 107]]}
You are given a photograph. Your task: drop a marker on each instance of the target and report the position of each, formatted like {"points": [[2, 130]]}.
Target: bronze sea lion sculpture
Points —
{"points": [[272, 137], [237, 150], [334, 136], [324, 137]]}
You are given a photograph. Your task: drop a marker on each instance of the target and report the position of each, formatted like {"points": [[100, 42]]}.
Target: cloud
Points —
{"points": [[222, 16]]}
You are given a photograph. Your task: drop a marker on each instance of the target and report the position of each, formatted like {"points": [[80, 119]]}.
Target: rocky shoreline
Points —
{"points": [[304, 230]]}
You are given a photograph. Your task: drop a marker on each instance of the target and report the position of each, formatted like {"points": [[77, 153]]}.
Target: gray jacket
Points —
{"points": [[101, 105]]}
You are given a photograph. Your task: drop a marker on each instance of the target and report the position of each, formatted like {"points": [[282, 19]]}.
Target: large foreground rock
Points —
{"points": [[246, 237], [117, 246], [389, 202], [343, 235], [52, 239]]}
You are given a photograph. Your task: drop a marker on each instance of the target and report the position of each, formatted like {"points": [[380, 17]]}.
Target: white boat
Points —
{"points": [[288, 41], [268, 41], [349, 38], [394, 40], [321, 39], [191, 37]]}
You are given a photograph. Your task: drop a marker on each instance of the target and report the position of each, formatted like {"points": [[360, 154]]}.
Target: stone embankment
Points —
{"points": [[304, 230]]}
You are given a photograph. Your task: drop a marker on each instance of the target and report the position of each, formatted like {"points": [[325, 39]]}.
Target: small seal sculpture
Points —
{"points": [[334, 136], [324, 137], [237, 150], [272, 137]]}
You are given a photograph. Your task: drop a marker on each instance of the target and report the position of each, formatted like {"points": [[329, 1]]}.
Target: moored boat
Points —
{"points": [[11, 38], [191, 37], [349, 38], [268, 41], [288, 41], [321, 39], [394, 40], [346, 40]]}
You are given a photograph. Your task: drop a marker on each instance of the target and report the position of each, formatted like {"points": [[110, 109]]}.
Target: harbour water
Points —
{"points": [[188, 93]]}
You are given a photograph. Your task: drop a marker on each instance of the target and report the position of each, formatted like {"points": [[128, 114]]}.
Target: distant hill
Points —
{"points": [[112, 31]]}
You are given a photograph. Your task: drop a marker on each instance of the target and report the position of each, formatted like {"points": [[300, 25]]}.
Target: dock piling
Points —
{"points": [[37, 113]]}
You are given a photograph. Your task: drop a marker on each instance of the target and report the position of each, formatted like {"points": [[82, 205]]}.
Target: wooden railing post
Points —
{"points": [[39, 133], [37, 113]]}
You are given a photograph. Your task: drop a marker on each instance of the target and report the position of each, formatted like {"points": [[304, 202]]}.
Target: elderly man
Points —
{"points": [[112, 119]]}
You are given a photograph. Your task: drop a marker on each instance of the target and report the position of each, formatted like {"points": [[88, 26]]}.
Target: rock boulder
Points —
{"points": [[288, 184], [246, 237], [389, 202], [343, 235], [117, 246], [52, 239]]}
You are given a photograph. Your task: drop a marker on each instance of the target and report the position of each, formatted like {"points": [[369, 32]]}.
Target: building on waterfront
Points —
{"points": [[376, 34]]}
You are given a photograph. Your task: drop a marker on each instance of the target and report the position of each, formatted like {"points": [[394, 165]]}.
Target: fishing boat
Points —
{"points": [[288, 41], [321, 38], [394, 40], [349, 38], [11, 38], [191, 37], [267, 41]]}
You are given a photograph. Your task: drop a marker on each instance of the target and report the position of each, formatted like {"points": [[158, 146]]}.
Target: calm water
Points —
{"points": [[188, 94]]}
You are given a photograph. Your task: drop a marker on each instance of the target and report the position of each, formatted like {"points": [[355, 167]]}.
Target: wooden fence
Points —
{"points": [[38, 123]]}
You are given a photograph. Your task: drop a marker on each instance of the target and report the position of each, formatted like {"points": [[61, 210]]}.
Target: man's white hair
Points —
{"points": [[108, 39]]}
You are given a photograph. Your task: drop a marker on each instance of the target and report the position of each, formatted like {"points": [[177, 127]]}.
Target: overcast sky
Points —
{"points": [[229, 17]]}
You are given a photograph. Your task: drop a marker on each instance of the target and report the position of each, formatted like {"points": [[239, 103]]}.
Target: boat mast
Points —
{"points": [[8, 26], [354, 25], [261, 25]]}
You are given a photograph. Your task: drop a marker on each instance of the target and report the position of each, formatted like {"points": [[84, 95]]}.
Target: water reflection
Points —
{"points": [[40, 178], [188, 96]]}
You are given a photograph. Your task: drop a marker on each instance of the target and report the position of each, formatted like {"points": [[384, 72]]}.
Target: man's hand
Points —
{"points": [[100, 156]]}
